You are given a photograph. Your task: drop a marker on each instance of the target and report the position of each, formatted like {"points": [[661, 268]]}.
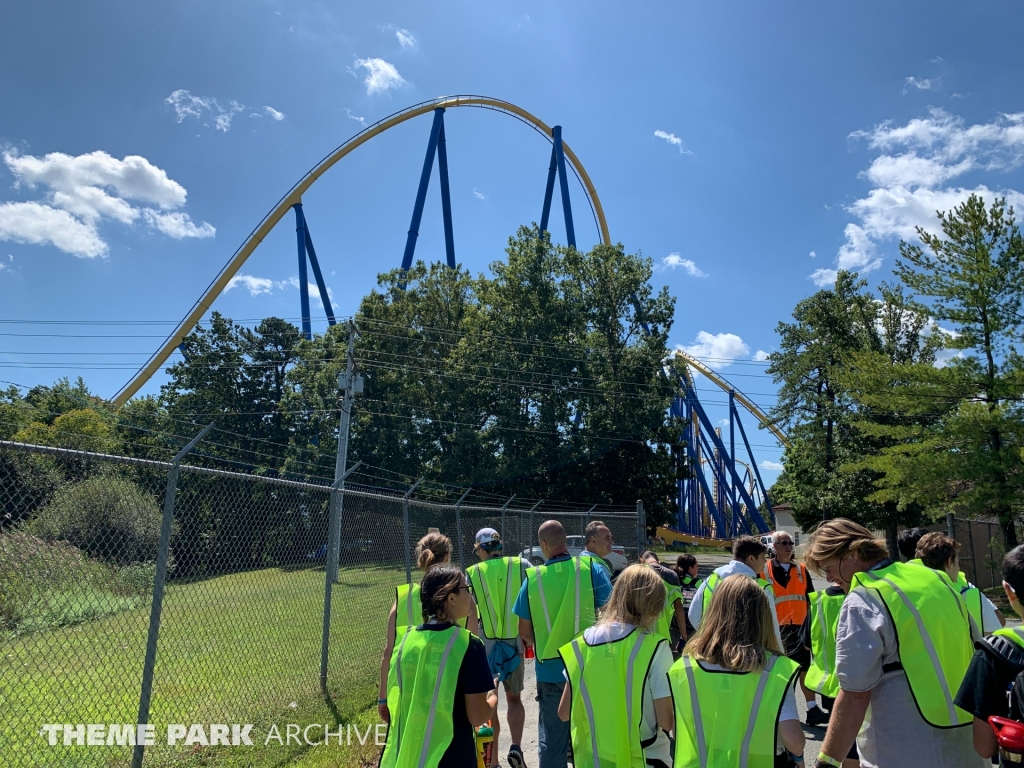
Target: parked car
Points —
{"points": [[767, 541], [617, 557]]}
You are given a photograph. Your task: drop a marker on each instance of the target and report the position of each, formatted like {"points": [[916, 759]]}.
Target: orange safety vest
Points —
{"points": [[790, 600]]}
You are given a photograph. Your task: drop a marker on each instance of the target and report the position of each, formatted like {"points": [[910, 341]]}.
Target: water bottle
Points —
{"points": [[484, 745], [529, 652], [1010, 735]]}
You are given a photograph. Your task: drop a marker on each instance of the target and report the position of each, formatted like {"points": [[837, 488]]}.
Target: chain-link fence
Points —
{"points": [[136, 591], [981, 550]]}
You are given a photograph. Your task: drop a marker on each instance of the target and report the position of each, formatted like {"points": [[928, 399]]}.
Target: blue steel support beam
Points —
{"points": [[549, 190], [300, 236], [321, 286], [757, 473], [563, 185], [421, 192], [732, 445], [744, 496], [695, 460], [446, 198]]}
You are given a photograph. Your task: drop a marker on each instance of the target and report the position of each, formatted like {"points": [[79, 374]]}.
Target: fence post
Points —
{"points": [[641, 537], [503, 516], [159, 580], [586, 522], [533, 527], [974, 555], [351, 385], [950, 525], [331, 575], [458, 522], [405, 526]]}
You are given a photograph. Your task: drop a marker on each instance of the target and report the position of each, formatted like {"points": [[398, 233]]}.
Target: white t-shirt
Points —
{"points": [[989, 616], [655, 687]]}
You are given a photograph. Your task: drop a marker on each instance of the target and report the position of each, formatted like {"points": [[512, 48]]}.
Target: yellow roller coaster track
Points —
{"points": [[742, 399], [294, 195]]}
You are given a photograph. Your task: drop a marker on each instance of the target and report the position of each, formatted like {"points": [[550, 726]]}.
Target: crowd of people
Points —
{"points": [[656, 666]]}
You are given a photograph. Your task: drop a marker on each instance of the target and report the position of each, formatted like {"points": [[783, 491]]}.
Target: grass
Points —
{"points": [[241, 648]]}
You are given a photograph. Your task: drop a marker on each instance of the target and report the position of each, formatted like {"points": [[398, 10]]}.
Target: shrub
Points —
{"points": [[108, 517]]}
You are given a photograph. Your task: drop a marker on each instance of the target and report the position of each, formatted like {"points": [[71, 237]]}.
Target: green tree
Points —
{"points": [[958, 446]]}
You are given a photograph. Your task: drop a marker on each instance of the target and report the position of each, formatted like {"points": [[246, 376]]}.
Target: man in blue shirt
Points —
{"points": [[553, 733]]}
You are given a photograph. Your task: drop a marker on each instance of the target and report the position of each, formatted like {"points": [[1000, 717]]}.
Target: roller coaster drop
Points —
{"points": [[714, 499]]}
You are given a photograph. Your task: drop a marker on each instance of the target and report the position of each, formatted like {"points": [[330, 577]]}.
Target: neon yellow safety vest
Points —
{"points": [[1014, 634], [605, 730], [961, 580], [422, 679], [725, 719], [496, 584], [821, 676], [561, 599], [933, 632], [972, 598], [663, 627], [714, 580], [409, 608]]}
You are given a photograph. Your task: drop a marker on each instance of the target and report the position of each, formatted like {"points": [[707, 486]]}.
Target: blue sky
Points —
{"points": [[748, 148]]}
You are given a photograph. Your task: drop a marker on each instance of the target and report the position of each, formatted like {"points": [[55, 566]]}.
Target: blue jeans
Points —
{"points": [[552, 732]]}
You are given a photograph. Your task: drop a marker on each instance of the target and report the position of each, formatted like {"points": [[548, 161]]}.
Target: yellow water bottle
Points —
{"points": [[484, 745]]}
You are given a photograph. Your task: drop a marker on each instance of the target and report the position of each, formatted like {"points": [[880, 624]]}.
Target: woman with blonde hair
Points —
{"points": [[903, 645], [733, 689], [617, 700], [432, 551]]}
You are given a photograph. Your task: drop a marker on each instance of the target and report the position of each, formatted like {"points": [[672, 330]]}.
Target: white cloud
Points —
{"points": [[922, 84], [479, 195], [813, 255], [936, 60], [761, 356], [187, 105], [84, 190], [380, 75], [718, 350], [177, 224], [406, 38], [360, 120], [674, 140], [274, 113], [674, 260], [772, 466], [914, 176], [255, 285]]}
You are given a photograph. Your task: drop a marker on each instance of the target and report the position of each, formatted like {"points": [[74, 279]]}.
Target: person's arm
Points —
{"points": [[526, 631], [565, 704], [665, 713], [697, 606], [385, 665], [792, 736], [479, 707], [680, 619], [985, 743], [472, 622], [847, 716]]}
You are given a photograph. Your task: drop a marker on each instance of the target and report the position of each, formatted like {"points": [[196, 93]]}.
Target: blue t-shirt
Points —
{"points": [[552, 671]]}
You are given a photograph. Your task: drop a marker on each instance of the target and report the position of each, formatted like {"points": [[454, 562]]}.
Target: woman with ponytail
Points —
{"points": [[439, 684], [432, 551]]}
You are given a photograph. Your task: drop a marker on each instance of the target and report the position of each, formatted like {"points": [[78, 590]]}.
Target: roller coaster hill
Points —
{"points": [[722, 494]]}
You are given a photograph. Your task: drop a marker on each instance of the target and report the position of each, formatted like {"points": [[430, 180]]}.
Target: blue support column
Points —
{"points": [[317, 274], [421, 193], [732, 449], [300, 236], [563, 182], [757, 472], [446, 198], [549, 190]]}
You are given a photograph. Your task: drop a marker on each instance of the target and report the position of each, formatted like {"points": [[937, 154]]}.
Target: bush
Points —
{"points": [[45, 585], [108, 517]]}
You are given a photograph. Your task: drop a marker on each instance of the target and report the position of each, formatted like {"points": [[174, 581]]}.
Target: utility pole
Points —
{"points": [[351, 384]]}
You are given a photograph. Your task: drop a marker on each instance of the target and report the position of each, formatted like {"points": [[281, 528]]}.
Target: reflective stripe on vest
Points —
{"points": [[1014, 634], [972, 598], [408, 608], [791, 599], [710, 705], [564, 592], [422, 682], [496, 583], [709, 587], [933, 632], [608, 735], [821, 675]]}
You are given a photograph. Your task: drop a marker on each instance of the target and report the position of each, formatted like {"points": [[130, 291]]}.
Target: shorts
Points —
{"points": [[514, 680], [793, 645]]}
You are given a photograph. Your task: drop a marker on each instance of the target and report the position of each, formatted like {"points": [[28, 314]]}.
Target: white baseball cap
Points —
{"points": [[487, 536]]}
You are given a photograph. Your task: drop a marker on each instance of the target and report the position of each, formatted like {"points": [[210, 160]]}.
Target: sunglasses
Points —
{"points": [[784, 544]]}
